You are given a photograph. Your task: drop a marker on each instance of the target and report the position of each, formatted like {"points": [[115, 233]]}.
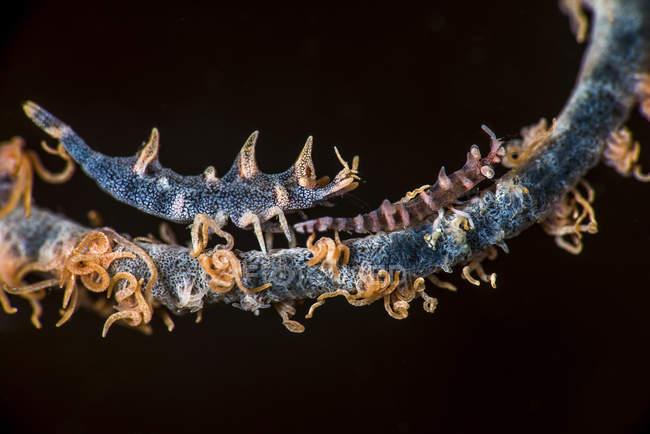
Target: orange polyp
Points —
{"points": [[622, 153], [372, 287], [21, 164], [475, 264], [566, 222], [225, 272], [4, 301], [46, 175], [286, 311], [328, 252], [532, 138]]}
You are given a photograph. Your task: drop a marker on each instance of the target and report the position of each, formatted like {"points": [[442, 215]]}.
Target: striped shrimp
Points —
{"points": [[423, 202]]}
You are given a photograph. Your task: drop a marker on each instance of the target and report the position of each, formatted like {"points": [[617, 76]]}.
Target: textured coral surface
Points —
{"points": [[560, 339]]}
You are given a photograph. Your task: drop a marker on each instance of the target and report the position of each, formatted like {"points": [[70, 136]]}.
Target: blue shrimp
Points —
{"points": [[244, 195]]}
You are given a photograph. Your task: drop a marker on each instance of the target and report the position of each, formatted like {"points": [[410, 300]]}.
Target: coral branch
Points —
{"points": [[389, 266]]}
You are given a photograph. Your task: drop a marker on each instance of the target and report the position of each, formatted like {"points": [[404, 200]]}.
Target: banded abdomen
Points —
{"points": [[406, 212]]}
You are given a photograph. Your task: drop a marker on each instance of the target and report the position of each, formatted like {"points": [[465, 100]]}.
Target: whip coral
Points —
{"points": [[455, 222]]}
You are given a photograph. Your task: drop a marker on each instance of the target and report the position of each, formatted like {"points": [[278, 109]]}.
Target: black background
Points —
{"points": [[560, 346]]}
